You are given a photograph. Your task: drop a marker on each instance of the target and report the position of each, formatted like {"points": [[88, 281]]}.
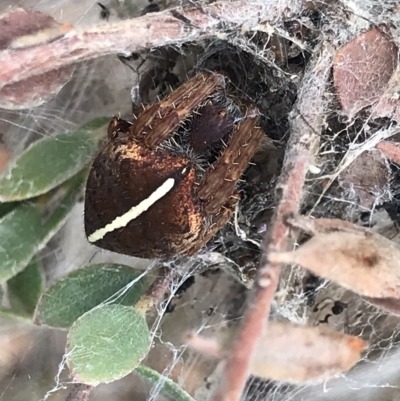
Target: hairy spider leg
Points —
{"points": [[218, 220], [158, 122], [219, 184]]}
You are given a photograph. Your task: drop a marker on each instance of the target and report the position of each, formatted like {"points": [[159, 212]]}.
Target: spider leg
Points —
{"points": [[218, 221], [156, 123], [219, 184]]}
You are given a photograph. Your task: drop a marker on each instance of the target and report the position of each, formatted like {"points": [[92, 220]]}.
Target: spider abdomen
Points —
{"points": [[142, 203]]}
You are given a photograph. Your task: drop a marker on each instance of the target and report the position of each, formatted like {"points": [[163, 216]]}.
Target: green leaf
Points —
{"points": [[25, 288], [106, 344], [7, 207], [168, 388], [70, 192], [49, 162], [84, 289], [24, 231], [20, 233]]}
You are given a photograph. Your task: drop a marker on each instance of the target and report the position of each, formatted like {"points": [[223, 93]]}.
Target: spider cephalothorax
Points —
{"points": [[144, 199]]}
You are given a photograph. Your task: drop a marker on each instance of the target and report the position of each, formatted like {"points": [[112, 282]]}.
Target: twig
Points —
{"points": [[156, 293], [79, 392], [306, 124], [60, 49]]}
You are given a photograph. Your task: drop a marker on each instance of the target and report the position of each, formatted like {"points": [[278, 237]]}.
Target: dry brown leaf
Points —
{"points": [[315, 226], [28, 27], [363, 67], [388, 104], [298, 353], [367, 177], [20, 22], [391, 150], [34, 91], [364, 262]]}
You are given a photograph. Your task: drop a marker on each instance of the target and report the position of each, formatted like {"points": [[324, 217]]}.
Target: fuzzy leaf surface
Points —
{"points": [[20, 231], [25, 288], [106, 344], [49, 162], [82, 290], [7, 207], [24, 231], [168, 389]]}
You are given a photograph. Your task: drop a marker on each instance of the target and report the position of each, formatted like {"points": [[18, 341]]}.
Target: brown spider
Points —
{"points": [[166, 184]]}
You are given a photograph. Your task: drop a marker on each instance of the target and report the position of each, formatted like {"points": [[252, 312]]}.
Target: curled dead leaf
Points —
{"points": [[297, 353], [21, 28], [364, 262], [363, 67]]}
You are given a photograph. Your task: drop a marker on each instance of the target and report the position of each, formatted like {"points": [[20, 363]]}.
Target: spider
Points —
{"points": [[166, 184]]}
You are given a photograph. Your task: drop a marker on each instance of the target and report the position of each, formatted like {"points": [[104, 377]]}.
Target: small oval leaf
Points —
{"points": [[362, 68], [43, 87], [49, 162], [364, 262], [168, 388], [367, 178], [107, 343], [19, 22], [25, 288], [20, 232], [298, 353], [24, 232], [391, 150], [84, 289]]}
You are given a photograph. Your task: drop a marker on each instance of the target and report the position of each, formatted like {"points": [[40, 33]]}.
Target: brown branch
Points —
{"points": [[156, 293], [306, 124], [79, 392], [34, 55]]}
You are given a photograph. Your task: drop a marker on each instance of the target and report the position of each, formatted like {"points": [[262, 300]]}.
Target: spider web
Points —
{"points": [[268, 69]]}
